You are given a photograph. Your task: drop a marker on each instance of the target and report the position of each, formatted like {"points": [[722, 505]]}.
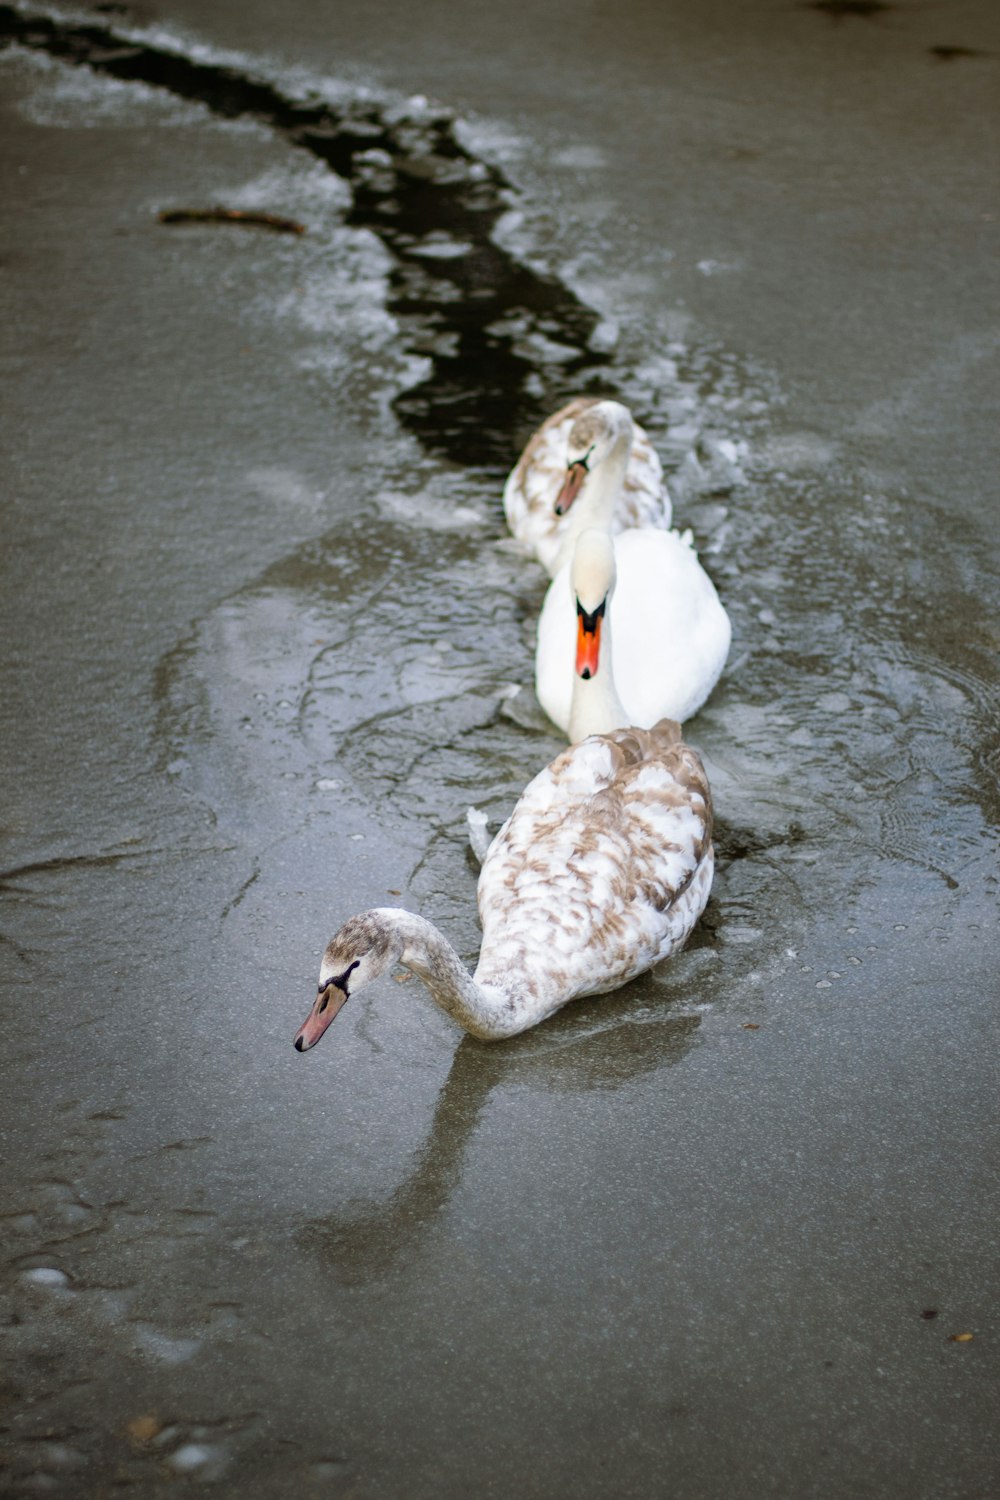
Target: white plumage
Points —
{"points": [[669, 632]]}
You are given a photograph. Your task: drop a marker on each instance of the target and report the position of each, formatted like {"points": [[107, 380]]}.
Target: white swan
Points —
{"points": [[667, 634], [587, 452], [601, 870]]}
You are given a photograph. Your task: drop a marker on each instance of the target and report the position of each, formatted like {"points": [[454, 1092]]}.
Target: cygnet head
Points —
{"points": [[362, 950], [592, 578], [594, 435]]}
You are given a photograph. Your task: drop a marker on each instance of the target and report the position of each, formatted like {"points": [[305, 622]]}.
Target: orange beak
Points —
{"points": [[588, 646], [329, 1001], [571, 487]]}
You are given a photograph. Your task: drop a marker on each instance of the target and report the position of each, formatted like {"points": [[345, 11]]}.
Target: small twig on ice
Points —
{"points": [[231, 216]]}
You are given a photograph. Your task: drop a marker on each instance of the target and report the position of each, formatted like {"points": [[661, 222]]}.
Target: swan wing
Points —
{"points": [[645, 499], [670, 630], [603, 867]]}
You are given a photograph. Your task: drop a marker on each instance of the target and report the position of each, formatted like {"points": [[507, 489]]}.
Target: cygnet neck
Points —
{"points": [[595, 505], [485, 1011]]}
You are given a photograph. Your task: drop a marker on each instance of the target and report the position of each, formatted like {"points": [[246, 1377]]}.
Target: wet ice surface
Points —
{"points": [[666, 1224]]}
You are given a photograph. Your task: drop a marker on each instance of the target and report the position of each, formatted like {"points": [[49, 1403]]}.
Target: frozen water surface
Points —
{"points": [[268, 641]]}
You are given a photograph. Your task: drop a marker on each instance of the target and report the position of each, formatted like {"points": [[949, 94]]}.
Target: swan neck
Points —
{"points": [[483, 1010], [595, 505], [595, 707]]}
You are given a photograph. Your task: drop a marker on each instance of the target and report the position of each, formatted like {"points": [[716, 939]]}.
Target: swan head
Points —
{"points": [[361, 951], [594, 435], [592, 577]]}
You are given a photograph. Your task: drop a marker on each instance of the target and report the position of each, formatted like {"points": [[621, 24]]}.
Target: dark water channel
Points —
{"points": [[722, 1233]]}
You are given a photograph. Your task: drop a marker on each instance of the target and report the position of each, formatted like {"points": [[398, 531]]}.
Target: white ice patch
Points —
{"points": [[440, 246], [719, 267], [605, 336], [518, 234], [72, 98], [286, 490], [491, 139], [430, 512], [581, 157], [305, 188]]}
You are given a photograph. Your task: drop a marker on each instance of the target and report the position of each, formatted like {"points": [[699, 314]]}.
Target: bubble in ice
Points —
{"points": [[162, 1347], [60, 1455], [328, 1468], [49, 1277], [191, 1457]]}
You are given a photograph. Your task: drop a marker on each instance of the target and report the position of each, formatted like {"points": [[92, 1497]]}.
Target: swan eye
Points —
{"points": [[340, 980], [584, 462]]}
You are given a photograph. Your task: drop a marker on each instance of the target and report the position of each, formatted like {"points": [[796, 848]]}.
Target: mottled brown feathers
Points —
{"points": [[360, 936], [573, 409], [602, 869]]}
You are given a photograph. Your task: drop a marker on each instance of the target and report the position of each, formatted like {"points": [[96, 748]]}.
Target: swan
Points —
{"points": [[588, 457], [667, 633], [602, 869]]}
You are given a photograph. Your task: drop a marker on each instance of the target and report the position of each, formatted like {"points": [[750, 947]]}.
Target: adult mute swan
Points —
{"points": [[601, 870], [589, 459], [667, 631]]}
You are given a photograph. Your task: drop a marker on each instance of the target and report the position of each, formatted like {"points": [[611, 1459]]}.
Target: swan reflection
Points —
{"points": [[623, 1038]]}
